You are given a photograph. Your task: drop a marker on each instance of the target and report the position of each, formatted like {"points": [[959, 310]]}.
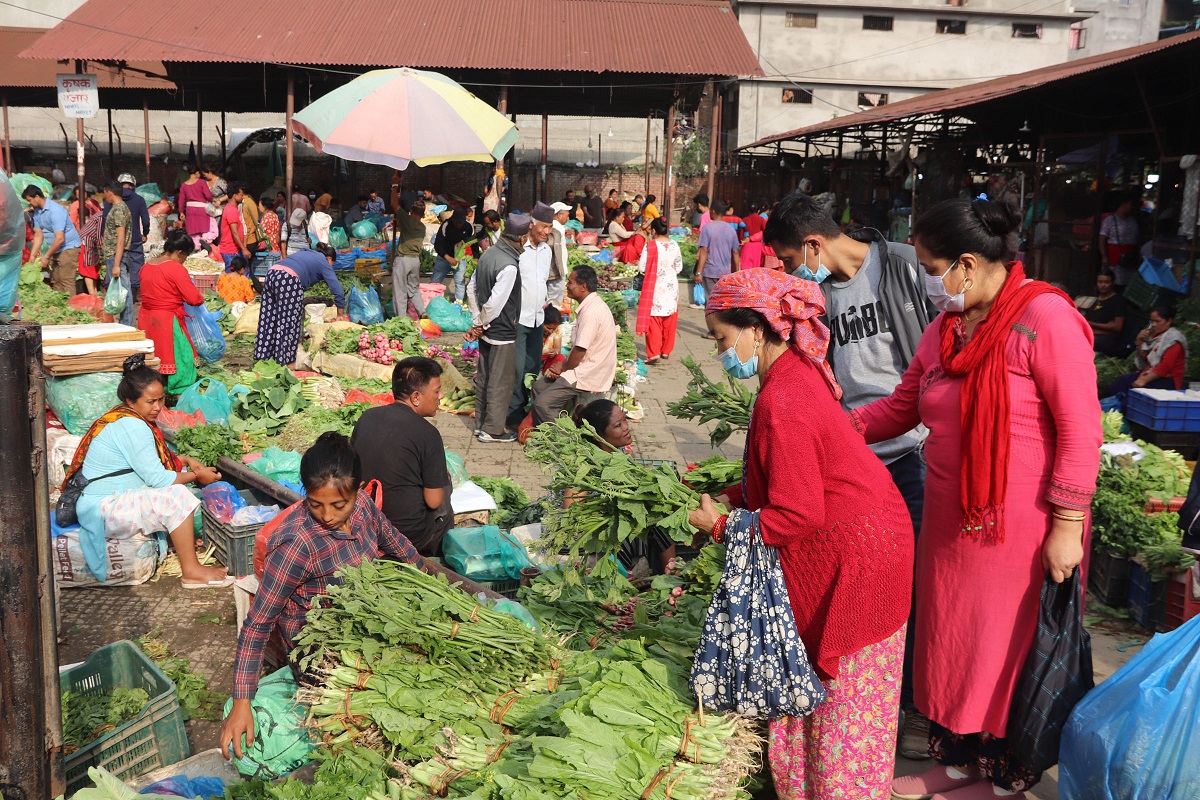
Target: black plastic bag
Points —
{"points": [[1056, 676]]}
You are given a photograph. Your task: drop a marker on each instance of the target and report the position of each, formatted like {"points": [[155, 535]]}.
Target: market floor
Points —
{"points": [[200, 625]]}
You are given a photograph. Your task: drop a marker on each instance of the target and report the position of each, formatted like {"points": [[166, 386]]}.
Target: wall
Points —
{"points": [[837, 59], [36, 13], [1119, 24]]}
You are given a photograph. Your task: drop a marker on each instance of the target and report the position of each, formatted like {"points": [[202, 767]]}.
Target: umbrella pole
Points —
{"points": [[288, 154], [649, 118]]}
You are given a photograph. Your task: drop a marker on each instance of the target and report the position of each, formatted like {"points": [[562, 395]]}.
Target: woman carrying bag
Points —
{"points": [[815, 495]]}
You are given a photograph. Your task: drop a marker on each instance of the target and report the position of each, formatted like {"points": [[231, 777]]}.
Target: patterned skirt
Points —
{"points": [[280, 320], [847, 747]]}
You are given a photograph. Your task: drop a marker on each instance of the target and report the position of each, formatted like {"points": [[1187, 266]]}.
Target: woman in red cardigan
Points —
{"points": [[1161, 356], [842, 530]]}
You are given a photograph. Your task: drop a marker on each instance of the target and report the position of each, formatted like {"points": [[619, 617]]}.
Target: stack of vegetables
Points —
{"points": [[382, 344], [707, 401], [459, 401], [40, 303], [88, 716]]}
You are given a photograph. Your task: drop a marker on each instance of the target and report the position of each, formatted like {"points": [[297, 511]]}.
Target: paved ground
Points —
{"points": [[199, 625]]}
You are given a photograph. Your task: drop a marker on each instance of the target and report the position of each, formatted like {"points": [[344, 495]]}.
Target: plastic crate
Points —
{"points": [[654, 463], [1159, 273], [264, 262], [1186, 443], [205, 281], [1151, 409], [1147, 599], [505, 588], [1146, 295], [1181, 600], [1108, 578], [234, 543], [152, 739]]}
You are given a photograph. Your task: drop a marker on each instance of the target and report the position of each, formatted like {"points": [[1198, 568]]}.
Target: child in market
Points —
{"points": [[234, 286]]}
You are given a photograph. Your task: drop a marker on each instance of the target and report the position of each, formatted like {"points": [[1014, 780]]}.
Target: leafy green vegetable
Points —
{"points": [[509, 496], [196, 700], [302, 429], [275, 394], [1166, 556], [88, 716], [1112, 423], [339, 342], [40, 303], [208, 443], [707, 401], [714, 475], [626, 346], [616, 304], [1109, 369]]}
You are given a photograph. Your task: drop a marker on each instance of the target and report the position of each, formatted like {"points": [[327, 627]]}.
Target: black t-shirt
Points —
{"points": [[404, 452], [1107, 310]]}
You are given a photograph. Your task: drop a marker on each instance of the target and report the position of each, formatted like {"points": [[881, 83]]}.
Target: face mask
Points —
{"points": [[734, 365], [807, 274], [935, 287]]}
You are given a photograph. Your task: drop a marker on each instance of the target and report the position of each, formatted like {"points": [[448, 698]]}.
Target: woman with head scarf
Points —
{"points": [[812, 489], [294, 236], [1160, 355], [1000, 378]]}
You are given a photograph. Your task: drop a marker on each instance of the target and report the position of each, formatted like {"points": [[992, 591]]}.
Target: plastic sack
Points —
{"points": [[12, 245], [150, 193], [364, 307], [698, 294], [484, 554], [364, 230], [448, 316], [282, 742], [338, 238], [1134, 736], [222, 501], [276, 464], [359, 396], [457, 469], [115, 298], [255, 515], [181, 786], [79, 401], [631, 297], [516, 611], [604, 256], [160, 209], [170, 420], [213, 401], [247, 321], [205, 332], [1056, 676], [23, 179]]}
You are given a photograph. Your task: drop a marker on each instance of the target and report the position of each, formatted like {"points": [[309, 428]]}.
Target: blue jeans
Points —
{"points": [[136, 258], [126, 316], [442, 268], [908, 472]]}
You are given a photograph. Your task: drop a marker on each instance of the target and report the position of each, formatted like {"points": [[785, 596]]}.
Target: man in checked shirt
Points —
{"points": [[335, 526]]}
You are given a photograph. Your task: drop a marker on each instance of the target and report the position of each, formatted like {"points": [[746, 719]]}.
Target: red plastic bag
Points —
{"points": [[430, 328], [359, 396], [171, 420]]}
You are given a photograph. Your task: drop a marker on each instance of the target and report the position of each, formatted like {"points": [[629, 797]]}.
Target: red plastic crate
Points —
{"points": [[205, 281], [1182, 604]]}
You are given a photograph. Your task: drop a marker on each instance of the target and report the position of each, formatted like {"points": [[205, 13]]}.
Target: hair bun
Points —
{"points": [[133, 363], [998, 218]]}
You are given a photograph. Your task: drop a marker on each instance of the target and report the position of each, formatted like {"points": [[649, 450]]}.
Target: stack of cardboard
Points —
{"points": [[102, 347]]}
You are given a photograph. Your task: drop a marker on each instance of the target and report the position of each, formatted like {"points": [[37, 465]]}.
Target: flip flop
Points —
{"points": [[226, 581]]}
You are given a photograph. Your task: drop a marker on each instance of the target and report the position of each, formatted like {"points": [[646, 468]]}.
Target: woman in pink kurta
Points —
{"points": [[979, 574], [193, 200]]}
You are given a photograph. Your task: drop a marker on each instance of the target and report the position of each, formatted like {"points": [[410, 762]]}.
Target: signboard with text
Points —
{"points": [[78, 96]]}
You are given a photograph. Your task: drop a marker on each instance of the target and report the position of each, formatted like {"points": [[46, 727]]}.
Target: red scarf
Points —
{"points": [[985, 402], [646, 301]]}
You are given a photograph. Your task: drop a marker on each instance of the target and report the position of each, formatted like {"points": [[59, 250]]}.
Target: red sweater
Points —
{"points": [[844, 535]]}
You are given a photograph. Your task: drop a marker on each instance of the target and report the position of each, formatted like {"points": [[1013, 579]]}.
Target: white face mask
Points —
{"points": [[935, 287]]}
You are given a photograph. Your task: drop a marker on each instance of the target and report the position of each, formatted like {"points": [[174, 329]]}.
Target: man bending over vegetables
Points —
{"points": [[401, 449]]}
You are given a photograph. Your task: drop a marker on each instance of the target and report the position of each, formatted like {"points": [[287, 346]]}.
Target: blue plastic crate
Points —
{"points": [[1147, 599], [1159, 414], [1159, 273]]}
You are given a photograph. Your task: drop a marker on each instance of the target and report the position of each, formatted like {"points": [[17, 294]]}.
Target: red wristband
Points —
{"points": [[718, 529]]}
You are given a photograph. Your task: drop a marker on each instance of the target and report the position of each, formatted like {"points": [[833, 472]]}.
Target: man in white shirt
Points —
{"points": [[535, 263], [558, 241]]}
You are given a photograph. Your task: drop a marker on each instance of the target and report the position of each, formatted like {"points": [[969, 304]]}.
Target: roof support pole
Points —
{"points": [[146, 130], [199, 128], [224, 157], [288, 147], [712, 140], [668, 178], [112, 164], [649, 120], [1137, 78], [545, 131], [8, 165], [80, 183]]}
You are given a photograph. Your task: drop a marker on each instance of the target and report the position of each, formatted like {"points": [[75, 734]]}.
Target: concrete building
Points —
{"points": [[829, 58], [1115, 25]]}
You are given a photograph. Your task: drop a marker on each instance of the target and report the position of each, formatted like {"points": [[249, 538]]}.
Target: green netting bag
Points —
{"points": [[282, 743], [457, 469]]}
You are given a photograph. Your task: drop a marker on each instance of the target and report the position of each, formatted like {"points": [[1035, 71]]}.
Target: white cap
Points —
{"points": [[125, 177], [560, 207]]}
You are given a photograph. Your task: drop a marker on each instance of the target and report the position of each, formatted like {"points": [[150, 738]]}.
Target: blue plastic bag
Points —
{"points": [[182, 786], [448, 316], [12, 243], [212, 401], [698, 294], [205, 332], [222, 500], [1136, 736], [364, 307]]}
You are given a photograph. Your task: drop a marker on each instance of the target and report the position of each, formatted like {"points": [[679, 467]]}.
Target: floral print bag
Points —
{"points": [[750, 659]]}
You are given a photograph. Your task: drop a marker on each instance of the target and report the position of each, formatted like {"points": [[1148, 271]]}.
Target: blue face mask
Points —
{"points": [[807, 274], [734, 365]]}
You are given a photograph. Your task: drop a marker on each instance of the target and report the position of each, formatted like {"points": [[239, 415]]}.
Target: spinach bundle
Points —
{"points": [[714, 475], [509, 496], [707, 401], [87, 717], [275, 394], [209, 443]]}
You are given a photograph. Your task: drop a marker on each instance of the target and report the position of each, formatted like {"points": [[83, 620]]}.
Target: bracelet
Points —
{"points": [[718, 529], [1066, 518]]}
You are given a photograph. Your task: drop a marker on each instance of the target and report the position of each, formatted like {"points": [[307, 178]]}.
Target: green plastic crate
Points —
{"points": [[152, 739]]}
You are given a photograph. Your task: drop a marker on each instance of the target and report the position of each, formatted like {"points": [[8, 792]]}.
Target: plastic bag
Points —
{"points": [[222, 500], [282, 742], [23, 179], [338, 239], [429, 328], [12, 245], [150, 193], [185, 361], [115, 298], [698, 294], [276, 464], [604, 256], [364, 307], [1134, 736], [484, 554], [364, 230], [451, 318], [517, 611], [255, 515], [205, 332], [80, 400], [359, 396], [171, 420], [457, 469], [212, 401]]}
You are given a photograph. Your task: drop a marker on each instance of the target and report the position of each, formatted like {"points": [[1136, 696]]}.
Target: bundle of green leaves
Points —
{"points": [[728, 405], [617, 305], [1121, 525], [509, 496], [208, 443], [40, 303], [88, 716], [275, 394], [713, 475], [303, 428]]}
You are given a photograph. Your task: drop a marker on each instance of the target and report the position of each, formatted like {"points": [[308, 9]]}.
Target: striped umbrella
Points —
{"points": [[400, 116]]}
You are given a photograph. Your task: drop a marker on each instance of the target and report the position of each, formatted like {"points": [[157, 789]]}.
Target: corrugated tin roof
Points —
{"points": [[685, 37], [975, 93], [41, 72]]}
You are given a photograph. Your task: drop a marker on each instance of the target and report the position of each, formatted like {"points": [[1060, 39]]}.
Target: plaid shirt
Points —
{"points": [[302, 557]]}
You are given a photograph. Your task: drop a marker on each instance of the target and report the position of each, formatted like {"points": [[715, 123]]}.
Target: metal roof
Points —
{"points": [[676, 37], [973, 94], [41, 72]]}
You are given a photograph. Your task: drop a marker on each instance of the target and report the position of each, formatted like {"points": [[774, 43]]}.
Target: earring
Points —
{"points": [[967, 284]]}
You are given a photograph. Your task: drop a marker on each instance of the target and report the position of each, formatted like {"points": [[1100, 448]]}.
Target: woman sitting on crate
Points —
{"points": [[1160, 355], [612, 423], [135, 484], [166, 287]]}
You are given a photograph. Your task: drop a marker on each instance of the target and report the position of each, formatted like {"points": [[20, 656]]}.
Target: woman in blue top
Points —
{"points": [[281, 318], [136, 485]]}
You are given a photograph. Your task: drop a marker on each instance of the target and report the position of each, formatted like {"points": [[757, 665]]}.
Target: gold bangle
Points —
{"points": [[1066, 518]]}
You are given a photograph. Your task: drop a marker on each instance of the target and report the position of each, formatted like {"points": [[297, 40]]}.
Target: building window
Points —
{"points": [[1026, 30], [876, 23], [797, 96], [796, 19], [1078, 37], [952, 26], [872, 99], [956, 2]]}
